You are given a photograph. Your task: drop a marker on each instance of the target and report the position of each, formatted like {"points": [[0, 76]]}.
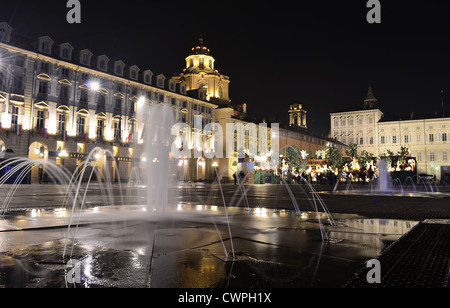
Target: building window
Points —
{"points": [[118, 103], [361, 140], [40, 116], [100, 128], [382, 139], [444, 136], [418, 138], [444, 156], [61, 122], [116, 130], [14, 115], [371, 140], [81, 125], [432, 157], [406, 138], [101, 100], [84, 96], [431, 137], [43, 87], [64, 92], [65, 72], [44, 47], [394, 139], [44, 67], [18, 84], [19, 61], [65, 53], [118, 70]]}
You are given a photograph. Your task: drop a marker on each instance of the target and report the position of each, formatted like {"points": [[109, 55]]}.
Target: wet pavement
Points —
{"points": [[126, 246]]}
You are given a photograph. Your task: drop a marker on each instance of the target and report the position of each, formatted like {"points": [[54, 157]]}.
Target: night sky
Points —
{"points": [[322, 54]]}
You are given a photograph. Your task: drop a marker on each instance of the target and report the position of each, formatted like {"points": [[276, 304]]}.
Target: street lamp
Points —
{"points": [[94, 85]]}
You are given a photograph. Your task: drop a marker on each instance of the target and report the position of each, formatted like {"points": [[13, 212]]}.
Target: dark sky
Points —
{"points": [[320, 53]]}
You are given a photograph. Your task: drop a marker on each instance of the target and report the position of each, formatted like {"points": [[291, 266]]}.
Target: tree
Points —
{"points": [[294, 160], [352, 151], [403, 153], [365, 157], [390, 157], [334, 156]]}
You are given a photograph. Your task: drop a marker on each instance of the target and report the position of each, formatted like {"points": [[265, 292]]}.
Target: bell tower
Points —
{"points": [[297, 116]]}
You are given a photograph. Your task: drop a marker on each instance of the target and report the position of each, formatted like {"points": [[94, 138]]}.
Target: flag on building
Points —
{"points": [[85, 138], [18, 129], [130, 137], [43, 132], [64, 135]]}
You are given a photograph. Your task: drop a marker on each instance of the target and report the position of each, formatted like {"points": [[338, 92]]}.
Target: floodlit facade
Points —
{"points": [[58, 103], [426, 137]]}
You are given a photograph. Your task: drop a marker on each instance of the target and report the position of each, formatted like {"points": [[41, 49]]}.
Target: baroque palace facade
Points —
{"points": [[426, 137], [58, 103]]}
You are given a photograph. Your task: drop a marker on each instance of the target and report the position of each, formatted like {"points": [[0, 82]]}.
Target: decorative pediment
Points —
{"points": [[101, 115], [44, 77], [41, 105], [65, 82], [63, 109], [83, 112]]}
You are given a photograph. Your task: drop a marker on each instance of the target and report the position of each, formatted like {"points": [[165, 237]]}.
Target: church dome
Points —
{"points": [[200, 49]]}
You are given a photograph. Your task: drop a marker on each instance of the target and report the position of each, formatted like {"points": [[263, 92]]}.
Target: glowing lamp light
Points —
{"points": [[141, 100], [215, 164], [63, 154], [97, 156], [93, 85]]}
